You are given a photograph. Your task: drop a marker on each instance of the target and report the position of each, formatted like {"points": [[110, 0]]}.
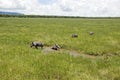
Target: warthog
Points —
{"points": [[55, 47], [91, 33], [74, 35], [37, 44]]}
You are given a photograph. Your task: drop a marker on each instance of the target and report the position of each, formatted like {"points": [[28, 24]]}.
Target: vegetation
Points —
{"points": [[20, 62], [50, 16]]}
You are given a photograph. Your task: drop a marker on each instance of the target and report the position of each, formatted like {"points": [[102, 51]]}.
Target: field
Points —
{"points": [[98, 55]]}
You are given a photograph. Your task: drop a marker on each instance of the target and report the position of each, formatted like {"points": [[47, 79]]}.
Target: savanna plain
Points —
{"points": [[98, 55]]}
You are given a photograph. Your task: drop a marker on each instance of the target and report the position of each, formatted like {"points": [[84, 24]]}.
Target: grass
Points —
{"points": [[19, 62]]}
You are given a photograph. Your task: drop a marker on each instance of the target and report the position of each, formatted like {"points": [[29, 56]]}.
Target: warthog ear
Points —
{"points": [[32, 42]]}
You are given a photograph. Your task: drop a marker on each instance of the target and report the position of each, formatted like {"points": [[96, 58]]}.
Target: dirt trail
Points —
{"points": [[48, 50]]}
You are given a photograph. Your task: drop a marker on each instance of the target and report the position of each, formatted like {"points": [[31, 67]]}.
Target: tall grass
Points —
{"points": [[20, 62], [105, 40]]}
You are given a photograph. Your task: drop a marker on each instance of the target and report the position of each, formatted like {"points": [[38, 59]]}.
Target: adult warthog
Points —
{"points": [[37, 44]]}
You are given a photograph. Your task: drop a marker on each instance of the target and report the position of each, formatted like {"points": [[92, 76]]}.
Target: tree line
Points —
{"points": [[49, 16]]}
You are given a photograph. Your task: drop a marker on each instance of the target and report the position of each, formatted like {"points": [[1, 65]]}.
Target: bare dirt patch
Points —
{"points": [[48, 50]]}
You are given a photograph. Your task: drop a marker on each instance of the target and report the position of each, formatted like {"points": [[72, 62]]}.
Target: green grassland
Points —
{"points": [[20, 62]]}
